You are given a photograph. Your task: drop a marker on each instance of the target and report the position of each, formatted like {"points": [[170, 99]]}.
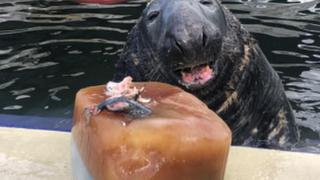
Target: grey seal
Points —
{"points": [[201, 47]]}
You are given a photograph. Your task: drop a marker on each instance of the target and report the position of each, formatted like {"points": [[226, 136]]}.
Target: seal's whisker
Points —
{"points": [[157, 77], [154, 72]]}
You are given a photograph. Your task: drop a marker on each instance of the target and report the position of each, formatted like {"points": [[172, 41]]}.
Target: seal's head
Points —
{"points": [[194, 44], [187, 38]]}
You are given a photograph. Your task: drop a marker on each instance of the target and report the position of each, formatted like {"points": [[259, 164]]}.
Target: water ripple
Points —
{"points": [[24, 61], [5, 51], [8, 84], [23, 54], [53, 92], [309, 47], [12, 107], [290, 53], [60, 28], [74, 74], [100, 41], [22, 91], [22, 97]]}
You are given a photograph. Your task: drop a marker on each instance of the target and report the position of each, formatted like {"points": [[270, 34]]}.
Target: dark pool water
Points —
{"points": [[51, 48]]}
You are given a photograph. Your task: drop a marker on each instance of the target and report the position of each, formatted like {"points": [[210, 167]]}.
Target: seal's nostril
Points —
{"points": [[178, 46], [204, 39], [152, 15], [206, 2]]}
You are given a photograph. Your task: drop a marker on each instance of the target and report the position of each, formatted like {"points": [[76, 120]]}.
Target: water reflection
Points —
{"points": [[49, 49]]}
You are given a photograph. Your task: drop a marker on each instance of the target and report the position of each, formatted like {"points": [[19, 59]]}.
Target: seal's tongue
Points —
{"points": [[197, 76]]}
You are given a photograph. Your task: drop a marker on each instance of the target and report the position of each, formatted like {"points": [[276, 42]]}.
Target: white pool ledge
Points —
{"points": [[38, 154]]}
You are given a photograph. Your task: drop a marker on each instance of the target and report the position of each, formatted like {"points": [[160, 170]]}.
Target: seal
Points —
{"points": [[201, 47]]}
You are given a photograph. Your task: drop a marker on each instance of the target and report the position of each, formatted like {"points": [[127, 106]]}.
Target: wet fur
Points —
{"points": [[247, 93]]}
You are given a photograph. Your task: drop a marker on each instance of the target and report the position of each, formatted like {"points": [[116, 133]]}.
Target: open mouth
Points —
{"points": [[195, 76]]}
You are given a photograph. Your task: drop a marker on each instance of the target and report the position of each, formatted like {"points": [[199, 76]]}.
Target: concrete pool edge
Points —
{"points": [[36, 122], [40, 154], [34, 154]]}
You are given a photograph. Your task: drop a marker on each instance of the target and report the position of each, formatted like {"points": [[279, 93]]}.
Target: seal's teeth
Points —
{"points": [[195, 73], [207, 67]]}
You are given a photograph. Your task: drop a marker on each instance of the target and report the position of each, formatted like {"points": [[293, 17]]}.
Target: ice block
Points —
{"points": [[181, 139]]}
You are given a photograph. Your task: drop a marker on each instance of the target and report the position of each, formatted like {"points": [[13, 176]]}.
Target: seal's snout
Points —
{"points": [[187, 41], [192, 28], [204, 39]]}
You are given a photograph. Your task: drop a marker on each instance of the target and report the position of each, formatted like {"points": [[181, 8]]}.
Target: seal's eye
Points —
{"points": [[152, 15], [205, 2]]}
